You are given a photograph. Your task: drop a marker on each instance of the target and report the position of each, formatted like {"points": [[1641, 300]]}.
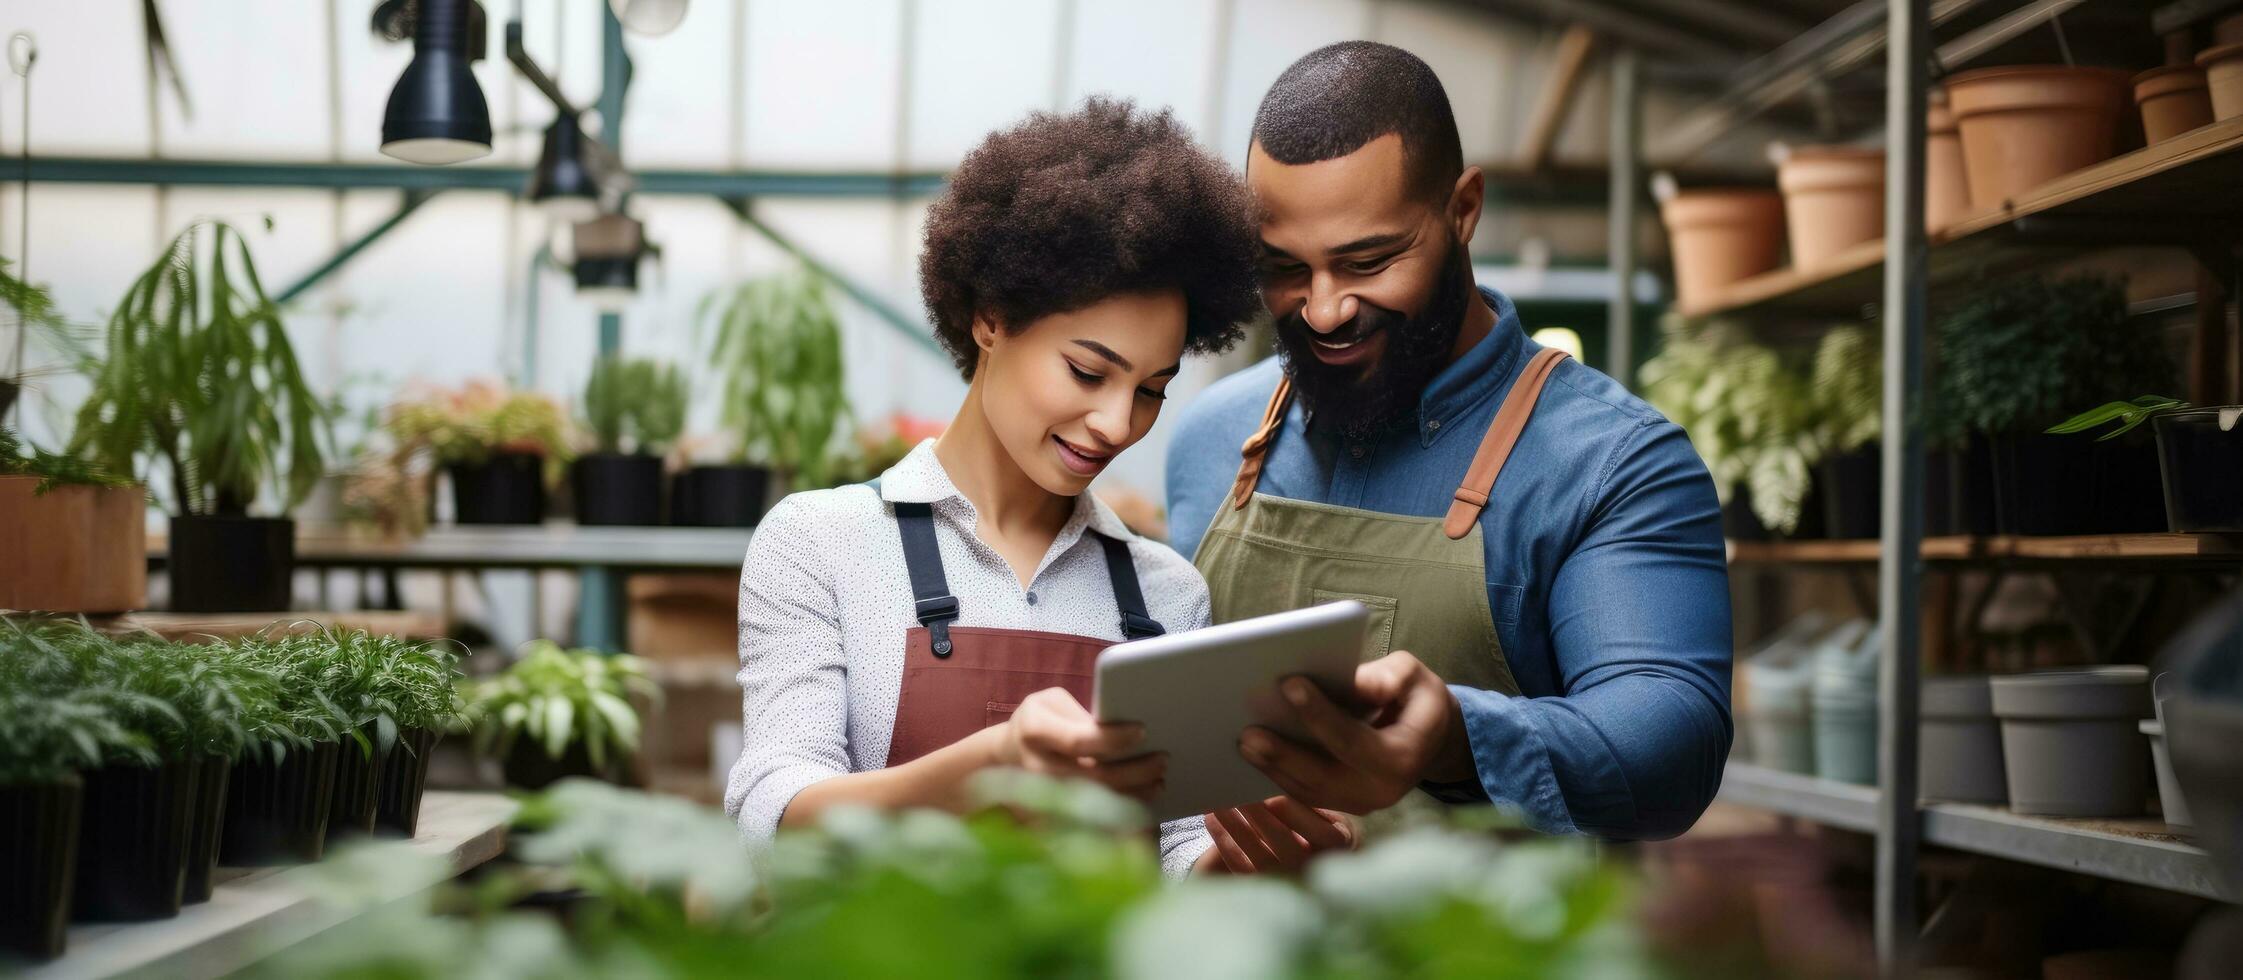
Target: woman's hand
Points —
{"points": [[1054, 734], [1279, 834]]}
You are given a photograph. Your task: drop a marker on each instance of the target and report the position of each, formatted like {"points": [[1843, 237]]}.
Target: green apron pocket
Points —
{"points": [[1378, 641]]}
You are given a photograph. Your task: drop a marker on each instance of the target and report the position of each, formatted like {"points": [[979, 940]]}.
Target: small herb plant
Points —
{"points": [[467, 425], [777, 357], [196, 369], [634, 405], [52, 469], [1749, 414], [2031, 349], [556, 698]]}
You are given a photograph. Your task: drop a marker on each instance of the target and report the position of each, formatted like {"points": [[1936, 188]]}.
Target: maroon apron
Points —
{"points": [[958, 680]]}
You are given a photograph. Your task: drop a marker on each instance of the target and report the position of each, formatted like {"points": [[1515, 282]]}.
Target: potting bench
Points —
{"points": [[254, 913], [2181, 194]]}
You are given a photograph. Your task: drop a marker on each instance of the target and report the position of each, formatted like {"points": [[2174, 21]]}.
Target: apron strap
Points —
{"points": [[1136, 624], [930, 590], [1495, 447], [1256, 449]]}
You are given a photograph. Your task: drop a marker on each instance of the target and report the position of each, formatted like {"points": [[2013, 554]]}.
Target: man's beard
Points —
{"points": [[1366, 401]]}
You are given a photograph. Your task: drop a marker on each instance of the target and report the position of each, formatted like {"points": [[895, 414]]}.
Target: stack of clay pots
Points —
{"points": [[2174, 99], [2025, 125]]}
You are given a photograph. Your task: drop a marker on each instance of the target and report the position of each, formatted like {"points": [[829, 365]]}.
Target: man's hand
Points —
{"points": [[1415, 734], [1279, 834]]}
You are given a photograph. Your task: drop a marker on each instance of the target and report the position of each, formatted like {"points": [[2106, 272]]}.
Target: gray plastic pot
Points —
{"points": [[2168, 788], [1776, 719], [2071, 741], [1960, 749], [1845, 702]]}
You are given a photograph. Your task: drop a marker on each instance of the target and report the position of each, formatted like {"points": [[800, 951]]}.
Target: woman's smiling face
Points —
{"points": [[1072, 390]]}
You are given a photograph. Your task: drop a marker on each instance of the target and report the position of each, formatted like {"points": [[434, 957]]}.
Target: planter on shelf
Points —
{"points": [[618, 488], [232, 564], [1844, 699], [720, 496], [404, 781], [38, 860], [528, 767], [2223, 76], [358, 781], [2065, 484], [1740, 523], [1960, 748], [1946, 184], [1852, 491], [2168, 789], [276, 813], [205, 823], [506, 488], [2173, 99], [1833, 199], [1720, 236], [2025, 125], [2071, 741], [1776, 720], [73, 549], [2200, 455], [132, 862], [1971, 498]]}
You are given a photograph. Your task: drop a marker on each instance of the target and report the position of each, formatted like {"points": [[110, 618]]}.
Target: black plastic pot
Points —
{"points": [[204, 824], [1739, 523], [403, 782], [2202, 467], [528, 767], [2128, 493], [1973, 505], [2072, 484], [1852, 492], [720, 496], [618, 488], [276, 813], [132, 862], [232, 564], [507, 488], [38, 861], [358, 782]]}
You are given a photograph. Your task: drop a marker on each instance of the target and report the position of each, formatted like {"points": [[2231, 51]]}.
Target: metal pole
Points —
{"points": [[1626, 193], [1900, 561]]}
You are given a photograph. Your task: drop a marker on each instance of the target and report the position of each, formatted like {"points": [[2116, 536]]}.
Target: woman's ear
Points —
{"points": [[986, 332]]}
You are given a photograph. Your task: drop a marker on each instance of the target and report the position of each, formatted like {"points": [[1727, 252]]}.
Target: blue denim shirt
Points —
{"points": [[1605, 566]]}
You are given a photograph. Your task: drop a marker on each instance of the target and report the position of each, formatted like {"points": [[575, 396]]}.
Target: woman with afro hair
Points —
{"points": [[898, 637]]}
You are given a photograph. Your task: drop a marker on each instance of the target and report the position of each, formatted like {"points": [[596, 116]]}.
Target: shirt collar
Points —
{"points": [[920, 479], [1479, 374]]}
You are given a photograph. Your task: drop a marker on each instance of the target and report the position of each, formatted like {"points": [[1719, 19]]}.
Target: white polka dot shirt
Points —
{"points": [[825, 600]]}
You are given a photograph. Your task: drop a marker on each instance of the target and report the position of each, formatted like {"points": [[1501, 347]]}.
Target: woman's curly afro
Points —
{"points": [[1062, 211]]}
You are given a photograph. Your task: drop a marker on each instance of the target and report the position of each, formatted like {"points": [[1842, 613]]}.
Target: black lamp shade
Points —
{"points": [[562, 183], [608, 283], [436, 113]]}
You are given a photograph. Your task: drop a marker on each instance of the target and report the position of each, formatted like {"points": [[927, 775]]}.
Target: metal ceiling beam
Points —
{"points": [[1754, 22], [412, 202], [345, 176], [1632, 28]]}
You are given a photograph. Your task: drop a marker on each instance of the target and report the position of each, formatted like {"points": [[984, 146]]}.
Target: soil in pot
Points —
{"points": [[205, 822], [132, 862], [2173, 99], [73, 549], [38, 861], [2071, 741], [1960, 749], [2223, 76], [2025, 125], [2200, 456], [1719, 236], [276, 812], [618, 489], [404, 781], [720, 496], [528, 767], [358, 776], [232, 564], [1834, 198], [507, 488]]}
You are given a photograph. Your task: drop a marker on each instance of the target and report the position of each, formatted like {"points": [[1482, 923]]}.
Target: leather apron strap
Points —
{"points": [[1495, 447]]}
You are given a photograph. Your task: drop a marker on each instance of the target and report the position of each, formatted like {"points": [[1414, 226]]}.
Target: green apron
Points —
{"points": [[1424, 578]]}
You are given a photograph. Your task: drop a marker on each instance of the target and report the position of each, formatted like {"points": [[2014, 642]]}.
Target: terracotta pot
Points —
{"points": [[2228, 30], [1721, 236], [1946, 186], [72, 549], [2223, 73], [2174, 100], [2026, 125], [1834, 198]]}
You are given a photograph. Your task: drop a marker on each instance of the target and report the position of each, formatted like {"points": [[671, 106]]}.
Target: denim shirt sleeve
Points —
{"points": [[1640, 632]]}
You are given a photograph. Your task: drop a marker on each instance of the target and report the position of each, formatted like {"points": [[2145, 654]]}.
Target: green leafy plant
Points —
{"points": [[468, 424], [1847, 383], [777, 355], [196, 369], [378, 685], [2129, 415], [641, 401], [51, 722], [2026, 351], [52, 469], [558, 697], [1750, 414]]}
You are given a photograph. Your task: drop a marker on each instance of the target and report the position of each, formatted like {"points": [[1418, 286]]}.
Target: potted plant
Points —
{"points": [[776, 353], [500, 447], [76, 533], [634, 410], [2200, 456], [386, 687], [196, 370], [2024, 353], [282, 788], [1749, 414], [426, 696], [556, 713], [1848, 389]]}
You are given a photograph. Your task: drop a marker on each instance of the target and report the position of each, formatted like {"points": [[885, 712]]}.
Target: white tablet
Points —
{"points": [[1195, 692]]}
